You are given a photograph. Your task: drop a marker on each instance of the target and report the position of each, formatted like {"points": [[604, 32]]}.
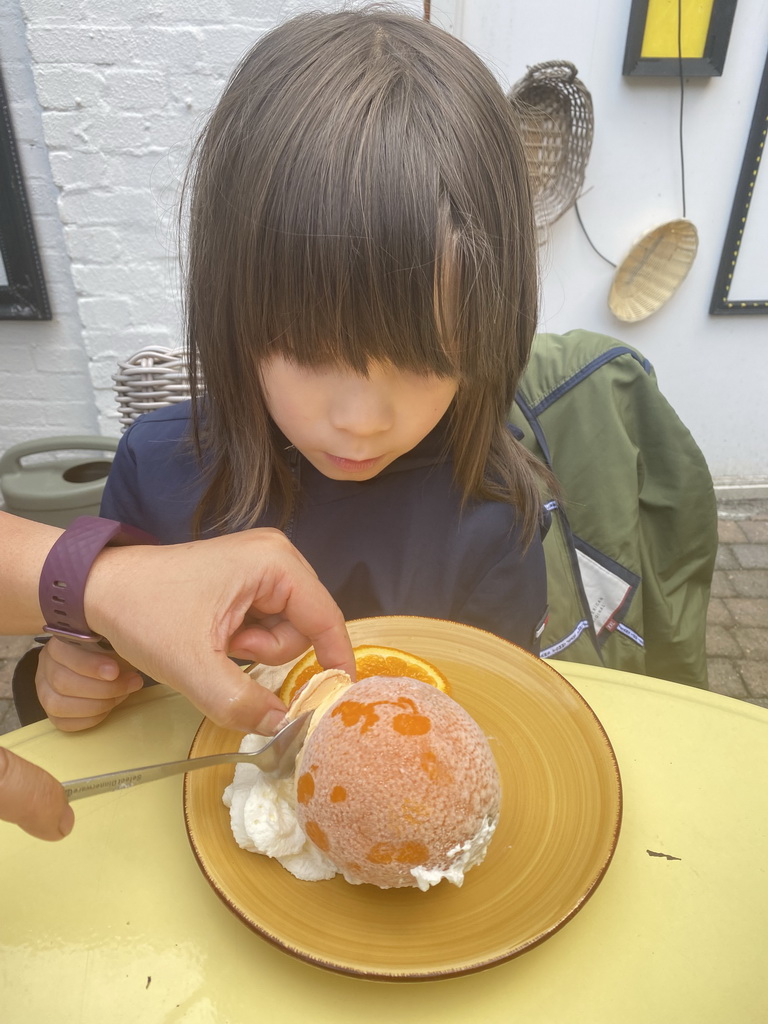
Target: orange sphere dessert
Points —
{"points": [[397, 785]]}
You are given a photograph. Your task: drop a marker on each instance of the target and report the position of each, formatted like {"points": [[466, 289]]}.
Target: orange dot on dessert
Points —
{"points": [[305, 787], [370, 660], [316, 834]]}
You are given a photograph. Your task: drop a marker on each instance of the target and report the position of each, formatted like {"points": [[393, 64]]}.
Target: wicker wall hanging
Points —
{"points": [[558, 123], [653, 270], [658, 263]]}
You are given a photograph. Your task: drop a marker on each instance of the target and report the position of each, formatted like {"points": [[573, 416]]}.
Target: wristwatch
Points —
{"points": [[65, 570]]}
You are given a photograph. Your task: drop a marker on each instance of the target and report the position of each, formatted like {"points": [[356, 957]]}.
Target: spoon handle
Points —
{"points": [[130, 777], [276, 758]]}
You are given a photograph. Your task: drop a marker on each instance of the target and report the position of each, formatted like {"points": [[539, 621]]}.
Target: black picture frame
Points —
{"points": [[25, 296], [723, 303], [710, 65]]}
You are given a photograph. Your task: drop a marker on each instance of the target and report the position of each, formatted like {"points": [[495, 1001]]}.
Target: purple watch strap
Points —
{"points": [[62, 580]]}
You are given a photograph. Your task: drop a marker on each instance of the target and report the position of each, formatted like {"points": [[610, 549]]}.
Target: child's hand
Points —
{"points": [[79, 688]]}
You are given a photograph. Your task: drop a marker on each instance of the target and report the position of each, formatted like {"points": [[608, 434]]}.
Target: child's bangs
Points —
{"points": [[357, 200], [361, 281]]}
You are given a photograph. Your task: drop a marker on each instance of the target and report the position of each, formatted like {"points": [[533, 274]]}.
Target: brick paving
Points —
{"points": [[737, 621]]}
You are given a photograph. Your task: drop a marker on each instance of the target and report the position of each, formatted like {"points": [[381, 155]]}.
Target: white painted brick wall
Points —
{"points": [[107, 96], [45, 387]]}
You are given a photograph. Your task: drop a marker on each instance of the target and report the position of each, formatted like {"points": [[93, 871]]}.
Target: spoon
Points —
{"points": [[276, 758]]}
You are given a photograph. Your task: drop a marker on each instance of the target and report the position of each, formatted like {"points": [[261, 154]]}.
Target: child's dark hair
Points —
{"points": [[360, 194]]}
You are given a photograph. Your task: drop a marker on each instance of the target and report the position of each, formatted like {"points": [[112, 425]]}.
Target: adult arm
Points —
{"points": [[178, 612], [185, 608], [23, 549], [175, 612]]}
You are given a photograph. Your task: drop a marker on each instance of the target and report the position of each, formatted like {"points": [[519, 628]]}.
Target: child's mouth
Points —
{"points": [[353, 465]]}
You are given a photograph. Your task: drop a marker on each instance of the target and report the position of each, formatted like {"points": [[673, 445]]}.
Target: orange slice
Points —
{"points": [[371, 660]]}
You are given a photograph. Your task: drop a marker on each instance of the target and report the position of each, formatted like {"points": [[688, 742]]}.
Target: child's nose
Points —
{"points": [[362, 409]]}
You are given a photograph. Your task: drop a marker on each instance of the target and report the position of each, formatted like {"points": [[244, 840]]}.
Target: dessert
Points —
{"points": [[395, 786]]}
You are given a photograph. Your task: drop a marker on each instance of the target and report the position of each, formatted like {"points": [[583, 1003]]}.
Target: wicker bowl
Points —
{"points": [[653, 270], [558, 123]]}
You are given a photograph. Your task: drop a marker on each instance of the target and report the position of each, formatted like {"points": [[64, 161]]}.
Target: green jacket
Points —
{"points": [[631, 550]]}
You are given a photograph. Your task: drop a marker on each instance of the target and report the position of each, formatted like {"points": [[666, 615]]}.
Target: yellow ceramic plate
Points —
{"points": [[559, 823]]}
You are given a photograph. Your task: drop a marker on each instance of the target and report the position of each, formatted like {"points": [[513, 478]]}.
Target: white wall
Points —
{"points": [[714, 370], [107, 96], [122, 85], [44, 382]]}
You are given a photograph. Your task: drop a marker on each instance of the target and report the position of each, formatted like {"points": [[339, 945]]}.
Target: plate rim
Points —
{"points": [[432, 973]]}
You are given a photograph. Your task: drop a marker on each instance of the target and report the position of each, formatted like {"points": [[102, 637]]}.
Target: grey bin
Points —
{"points": [[59, 489]]}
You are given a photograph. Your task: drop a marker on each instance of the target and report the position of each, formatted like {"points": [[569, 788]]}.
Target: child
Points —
{"points": [[361, 297]]}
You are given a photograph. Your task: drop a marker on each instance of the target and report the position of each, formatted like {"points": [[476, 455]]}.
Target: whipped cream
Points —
{"points": [[262, 815], [459, 859], [262, 809]]}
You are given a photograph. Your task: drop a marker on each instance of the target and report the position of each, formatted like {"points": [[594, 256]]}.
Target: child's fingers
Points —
{"points": [[69, 684], [71, 697], [72, 714], [77, 724]]}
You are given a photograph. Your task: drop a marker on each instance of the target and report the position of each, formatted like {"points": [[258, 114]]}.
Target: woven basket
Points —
{"points": [[150, 379], [558, 124], [653, 270]]}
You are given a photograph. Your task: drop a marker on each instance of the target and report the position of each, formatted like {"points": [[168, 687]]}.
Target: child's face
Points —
{"points": [[348, 426]]}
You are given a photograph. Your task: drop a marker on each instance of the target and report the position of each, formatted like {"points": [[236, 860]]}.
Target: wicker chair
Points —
{"points": [[150, 379]]}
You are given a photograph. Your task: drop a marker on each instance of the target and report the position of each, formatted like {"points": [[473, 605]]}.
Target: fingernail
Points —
{"points": [[66, 822], [108, 670], [273, 722], [135, 683]]}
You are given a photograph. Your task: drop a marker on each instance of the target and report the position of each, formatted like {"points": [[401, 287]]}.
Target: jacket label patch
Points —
{"points": [[609, 587]]}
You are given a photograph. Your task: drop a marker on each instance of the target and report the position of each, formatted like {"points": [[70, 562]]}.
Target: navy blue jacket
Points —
{"points": [[399, 544]]}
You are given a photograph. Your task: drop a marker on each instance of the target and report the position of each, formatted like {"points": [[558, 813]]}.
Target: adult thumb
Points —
{"points": [[33, 799], [230, 697]]}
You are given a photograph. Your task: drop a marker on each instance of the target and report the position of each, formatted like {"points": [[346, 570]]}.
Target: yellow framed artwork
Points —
{"points": [[674, 37]]}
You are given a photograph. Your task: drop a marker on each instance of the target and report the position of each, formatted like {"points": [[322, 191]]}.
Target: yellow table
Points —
{"points": [[117, 924]]}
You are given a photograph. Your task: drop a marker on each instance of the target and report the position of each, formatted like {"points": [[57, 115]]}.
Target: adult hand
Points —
{"points": [[179, 610], [33, 799]]}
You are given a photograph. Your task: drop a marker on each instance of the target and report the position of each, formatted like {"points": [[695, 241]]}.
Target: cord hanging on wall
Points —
{"points": [[658, 263]]}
